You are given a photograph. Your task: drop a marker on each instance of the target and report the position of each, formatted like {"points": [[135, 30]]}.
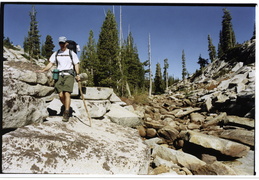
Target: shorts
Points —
{"points": [[65, 83]]}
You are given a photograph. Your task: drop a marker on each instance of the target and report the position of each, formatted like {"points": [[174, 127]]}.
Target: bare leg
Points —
{"points": [[62, 97], [67, 100]]}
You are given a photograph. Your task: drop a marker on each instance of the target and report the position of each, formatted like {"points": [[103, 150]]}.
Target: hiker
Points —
{"points": [[66, 61]]}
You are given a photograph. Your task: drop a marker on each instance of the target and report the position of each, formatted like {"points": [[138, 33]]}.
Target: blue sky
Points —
{"points": [[173, 28]]}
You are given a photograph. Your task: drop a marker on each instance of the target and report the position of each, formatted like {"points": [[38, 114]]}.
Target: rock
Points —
{"points": [[157, 116], [74, 147], [192, 126], [177, 157], [153, 124], [251, 75], [148, 109], [209, 159], [216, 120], [153, 142], [185, 111], [224, 84], [224, 146], [97, 108], [139, 110], [239, 135], [98, 93], [23, 94], [129, 108], [221, 98], [249, 122], [239, 79], [216, 168], [141, 130], [208, 104], [178, 143], [197, 117], [240, 87], [13, 86], [168, 121], [121, 116], [187, 102], [168, 133], [237, 66], [245, 165], [114, 98], [19, 111], [158, 161], [159, 170], [151, 132]]}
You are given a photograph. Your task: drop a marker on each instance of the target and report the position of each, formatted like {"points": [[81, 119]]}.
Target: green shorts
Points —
{"points": [[65, 84]]}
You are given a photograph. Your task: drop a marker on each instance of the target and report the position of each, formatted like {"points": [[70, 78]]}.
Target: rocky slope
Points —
{"points": [[210, 116], [204, 125], [35, 140]]}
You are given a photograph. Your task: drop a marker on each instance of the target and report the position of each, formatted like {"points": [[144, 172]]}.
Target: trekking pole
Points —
{"points": [[82, 95]]}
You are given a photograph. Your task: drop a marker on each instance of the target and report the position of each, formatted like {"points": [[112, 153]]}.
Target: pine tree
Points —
{"points": [[202, 62], [25, 45], [48, 47], [7, 43], [165, 75], [228, 36], [253, 37], [211, 49], [133, 69], [42, 51], [220, 51], [184, 71], [149, 66], [32, 42], [107, 49], [89, 61], [158, 80]]}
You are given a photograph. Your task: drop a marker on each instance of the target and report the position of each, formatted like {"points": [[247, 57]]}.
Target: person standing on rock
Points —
{"points": [[64, 84]]}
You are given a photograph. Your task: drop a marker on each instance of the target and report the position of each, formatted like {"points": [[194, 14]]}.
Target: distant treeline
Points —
{"points": [[116, 64]]}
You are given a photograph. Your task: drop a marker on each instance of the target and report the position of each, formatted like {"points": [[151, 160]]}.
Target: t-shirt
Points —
{"points": [[64, 60]]}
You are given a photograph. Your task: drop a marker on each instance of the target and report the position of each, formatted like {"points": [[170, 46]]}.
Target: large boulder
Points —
{"points": [[173, 158], [23, 91], [97, 93], [19, 111], [74, 147], [224, 146], [122, 116], [241, 121], [239, 135]]}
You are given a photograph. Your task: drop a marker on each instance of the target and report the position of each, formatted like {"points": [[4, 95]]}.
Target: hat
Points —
{"points": [[62, 39]]}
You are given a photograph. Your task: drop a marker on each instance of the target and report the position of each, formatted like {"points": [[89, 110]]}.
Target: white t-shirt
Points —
{"points": [[64, 60]]}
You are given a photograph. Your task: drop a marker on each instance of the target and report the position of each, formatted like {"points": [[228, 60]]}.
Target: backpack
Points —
{"points": [[72, 45]]}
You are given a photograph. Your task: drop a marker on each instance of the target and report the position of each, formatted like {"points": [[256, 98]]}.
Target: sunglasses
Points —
{"points": [[61, 43]]}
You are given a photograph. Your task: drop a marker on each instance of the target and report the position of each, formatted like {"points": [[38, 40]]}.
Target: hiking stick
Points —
{"points": [[82, 95]]}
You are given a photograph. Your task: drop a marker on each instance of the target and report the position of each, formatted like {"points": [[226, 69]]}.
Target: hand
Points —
{"points": [[77, 78]]}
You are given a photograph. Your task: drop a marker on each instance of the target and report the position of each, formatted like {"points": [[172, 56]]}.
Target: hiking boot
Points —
{"points": [[65, 116]]}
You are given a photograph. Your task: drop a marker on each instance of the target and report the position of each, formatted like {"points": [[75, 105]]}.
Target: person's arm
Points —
{"points": [[77, 72], [46, 68]]}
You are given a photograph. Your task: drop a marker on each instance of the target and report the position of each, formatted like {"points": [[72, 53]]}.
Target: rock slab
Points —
{"points": [[226, 147], [123, 117], [74, 147]]}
